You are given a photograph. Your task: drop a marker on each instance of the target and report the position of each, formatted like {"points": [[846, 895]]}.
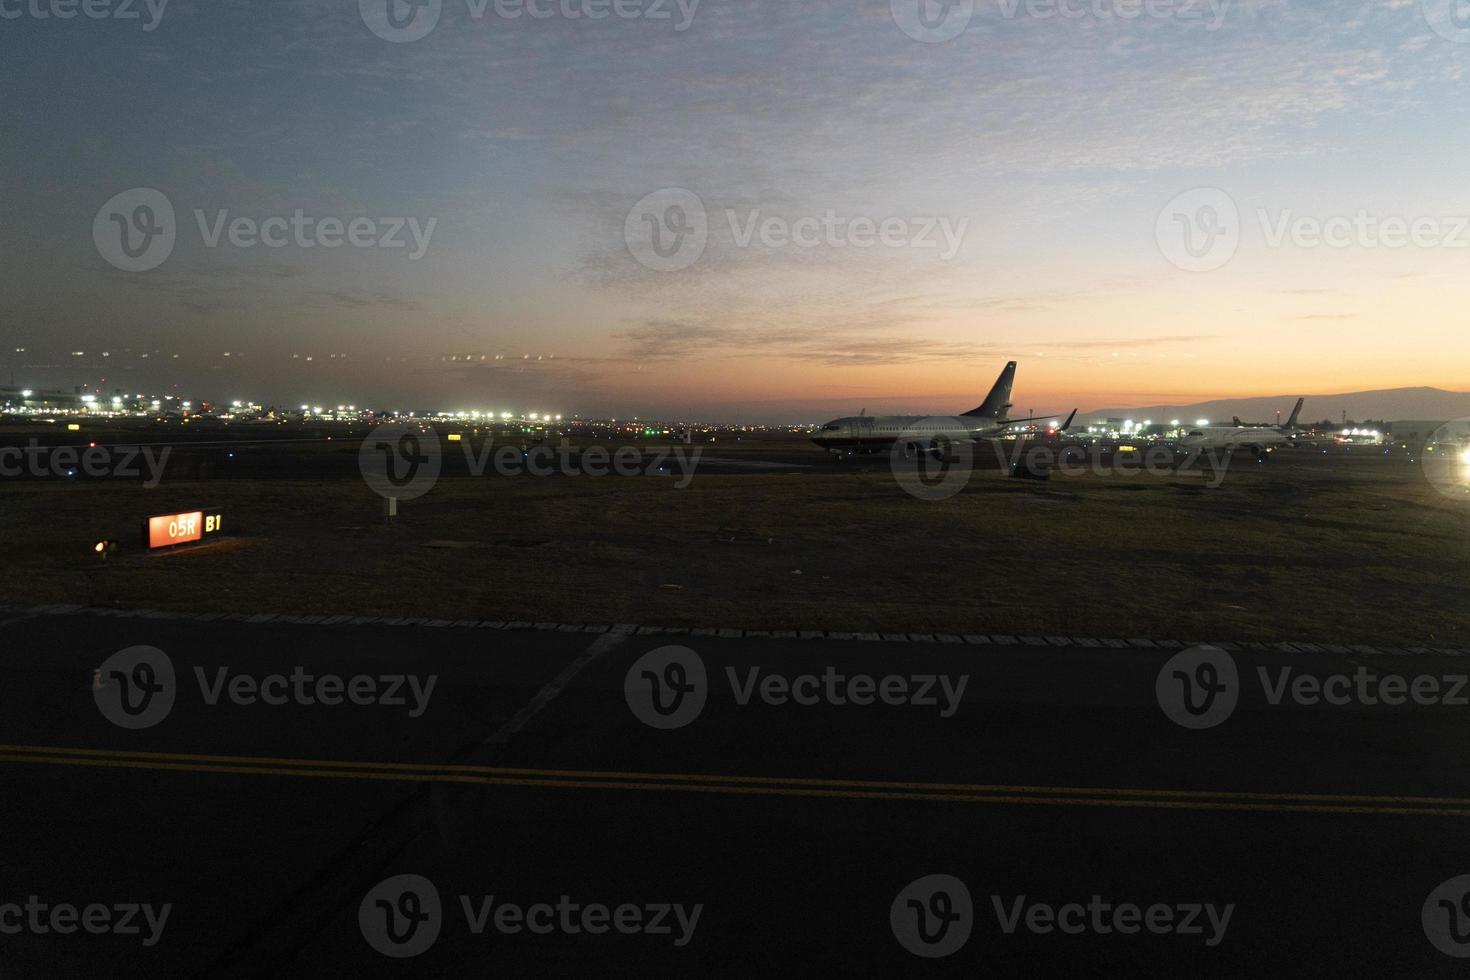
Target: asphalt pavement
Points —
{"points": [[191, 797]]}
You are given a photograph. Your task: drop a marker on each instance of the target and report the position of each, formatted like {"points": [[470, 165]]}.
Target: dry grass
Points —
{"points": [[1367, 553]]}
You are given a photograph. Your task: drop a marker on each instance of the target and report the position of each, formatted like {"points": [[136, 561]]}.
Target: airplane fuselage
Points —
{"points": [[876, 433], [1258, 439]]}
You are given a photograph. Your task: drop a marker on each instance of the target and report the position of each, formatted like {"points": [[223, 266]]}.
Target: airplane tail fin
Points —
{"points": [[1291, 422], [998, 402]]}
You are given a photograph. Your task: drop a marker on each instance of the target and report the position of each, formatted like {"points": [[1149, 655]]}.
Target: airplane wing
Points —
{"points": [[1007, 423]]}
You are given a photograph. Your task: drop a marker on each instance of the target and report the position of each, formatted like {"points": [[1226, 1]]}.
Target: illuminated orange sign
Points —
{"points": [[171, 529]]}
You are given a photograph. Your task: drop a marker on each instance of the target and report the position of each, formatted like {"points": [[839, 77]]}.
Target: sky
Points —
{"points": [[738, 211]]}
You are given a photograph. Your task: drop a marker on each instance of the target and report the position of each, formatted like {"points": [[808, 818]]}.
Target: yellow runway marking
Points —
{"points": [[737, 785]]}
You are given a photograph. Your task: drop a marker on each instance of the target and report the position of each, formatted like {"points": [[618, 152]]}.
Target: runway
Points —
{"points": [[817, 780]]}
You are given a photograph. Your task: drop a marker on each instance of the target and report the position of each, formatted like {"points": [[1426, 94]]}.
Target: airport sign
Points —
{"points": [[171, 530]]}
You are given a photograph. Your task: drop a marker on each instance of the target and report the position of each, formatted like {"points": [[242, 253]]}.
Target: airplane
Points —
{"points": [[1259, 439], [919, 433]]}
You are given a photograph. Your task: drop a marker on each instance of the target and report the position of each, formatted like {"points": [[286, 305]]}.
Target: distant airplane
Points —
{"points": [[1259, 439], [866, 433]]}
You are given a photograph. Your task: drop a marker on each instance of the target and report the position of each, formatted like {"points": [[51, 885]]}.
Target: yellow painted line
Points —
{"points": [[411, 772]]}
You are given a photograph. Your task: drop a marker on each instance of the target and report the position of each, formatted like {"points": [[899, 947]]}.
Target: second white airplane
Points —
{"points": [[1259, 439]]}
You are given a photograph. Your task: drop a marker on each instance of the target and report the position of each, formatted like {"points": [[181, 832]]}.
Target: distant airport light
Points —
{"points": [[26, 393], [1465, 456], [1174, 423], [505, 415], [1201, 422], [89, 399]]}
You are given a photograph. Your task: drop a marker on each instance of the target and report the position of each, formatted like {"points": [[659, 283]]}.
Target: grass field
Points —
{"points": [[1365, 551]]}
